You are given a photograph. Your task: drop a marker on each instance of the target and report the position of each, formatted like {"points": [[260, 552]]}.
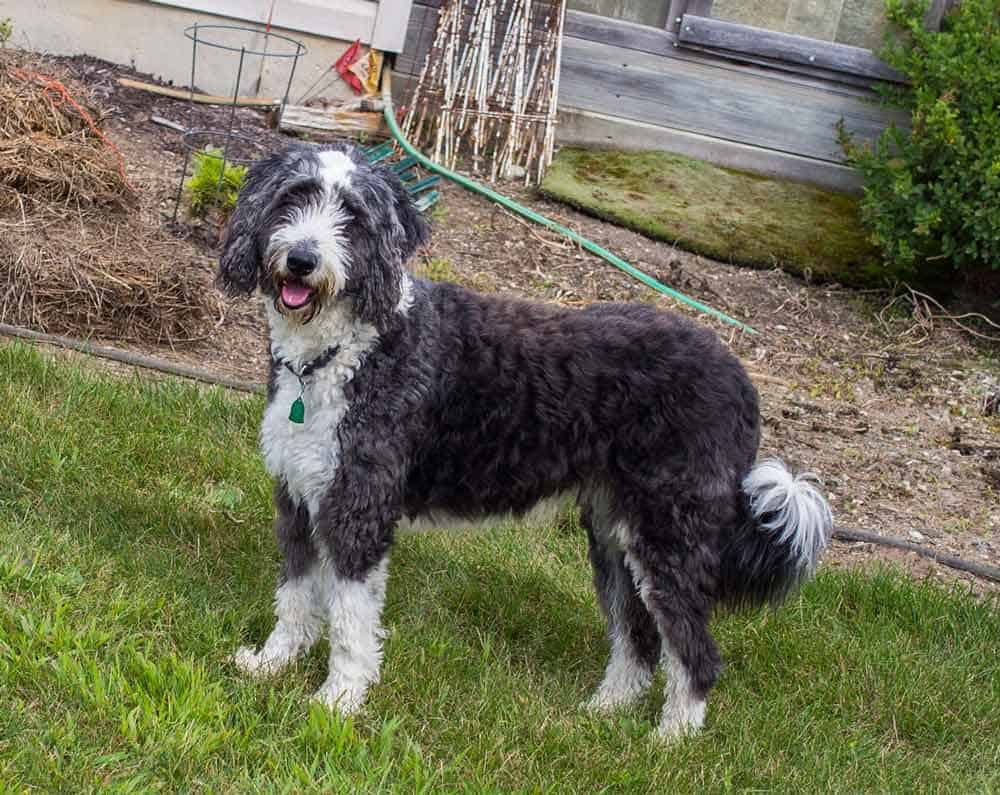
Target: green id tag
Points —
{"points": [[297, 413]]}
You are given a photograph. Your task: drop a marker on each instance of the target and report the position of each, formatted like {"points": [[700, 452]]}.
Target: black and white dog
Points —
{"points": [[392, 399]]}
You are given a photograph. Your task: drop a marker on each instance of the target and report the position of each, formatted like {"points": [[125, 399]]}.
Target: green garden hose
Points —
{"points": [[531, 215]]}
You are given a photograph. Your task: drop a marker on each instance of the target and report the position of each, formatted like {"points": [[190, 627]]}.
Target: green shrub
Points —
{"points": [[208, 188], [6, 30], [932, 194]]}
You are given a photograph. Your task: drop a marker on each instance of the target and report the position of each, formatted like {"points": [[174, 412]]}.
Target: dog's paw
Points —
{"points": [[257, 664], [602, 703], [345, 698], [621, 688], [683, 720]]}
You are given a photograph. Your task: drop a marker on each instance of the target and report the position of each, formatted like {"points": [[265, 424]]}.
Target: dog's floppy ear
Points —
{"points": [[392, 231], [415, 232], [240, 261]]}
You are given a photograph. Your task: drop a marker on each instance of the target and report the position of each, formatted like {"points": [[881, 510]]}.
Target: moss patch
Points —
{"points": [[727, 215]]}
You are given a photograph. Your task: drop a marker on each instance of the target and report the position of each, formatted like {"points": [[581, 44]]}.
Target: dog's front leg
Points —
{"points": [[354, 610], [354, 531], [299, 600]]}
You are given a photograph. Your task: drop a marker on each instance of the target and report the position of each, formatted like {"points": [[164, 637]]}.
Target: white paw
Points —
{"points": [[682, 720], [624, 683], [249, 661], [604, 701], [345, 698]]}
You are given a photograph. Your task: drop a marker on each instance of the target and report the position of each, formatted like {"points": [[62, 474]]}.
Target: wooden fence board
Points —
{"points": [[697, 98], [733, 37], [619, 33], [630, 36], [728, 73], [584, 128]]}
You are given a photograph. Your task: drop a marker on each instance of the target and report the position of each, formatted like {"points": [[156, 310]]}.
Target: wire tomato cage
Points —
{"points": [[233, 146]]}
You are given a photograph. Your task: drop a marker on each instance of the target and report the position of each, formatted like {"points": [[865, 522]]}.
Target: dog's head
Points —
{"points": [[314, 226]]}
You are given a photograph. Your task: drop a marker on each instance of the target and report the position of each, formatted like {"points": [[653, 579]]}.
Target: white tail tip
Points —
{"points": [[791, 507]]}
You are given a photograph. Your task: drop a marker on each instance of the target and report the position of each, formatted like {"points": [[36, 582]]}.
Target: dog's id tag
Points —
{"points": [[297, 413]]}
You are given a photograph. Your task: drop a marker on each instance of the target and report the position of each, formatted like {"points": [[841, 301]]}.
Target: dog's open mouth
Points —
{"points": [[296, 295]]}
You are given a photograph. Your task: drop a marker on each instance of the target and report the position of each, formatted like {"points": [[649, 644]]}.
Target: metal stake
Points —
{"points": [[232, 117]]}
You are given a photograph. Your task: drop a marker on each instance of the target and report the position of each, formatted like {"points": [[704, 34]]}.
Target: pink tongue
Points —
{"points": [[295, 294]]}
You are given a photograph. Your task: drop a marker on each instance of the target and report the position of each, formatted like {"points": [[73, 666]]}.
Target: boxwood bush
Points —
{"points": [[932, 193]]}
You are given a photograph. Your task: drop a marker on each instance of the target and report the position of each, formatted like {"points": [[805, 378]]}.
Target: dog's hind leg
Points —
{"points": [[674, 566], [632, 634], [298, 602]]}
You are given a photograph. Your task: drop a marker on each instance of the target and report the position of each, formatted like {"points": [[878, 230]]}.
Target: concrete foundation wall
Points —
{"points": [[150, 37]]}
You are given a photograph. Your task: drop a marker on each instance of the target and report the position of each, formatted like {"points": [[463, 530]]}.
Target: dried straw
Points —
{"points": [[118, 280], [50, 146], [68, 169], [76, 255], [25, 108]]}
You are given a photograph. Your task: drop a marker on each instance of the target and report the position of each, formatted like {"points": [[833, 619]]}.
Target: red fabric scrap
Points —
{"points": [[343, 67]]}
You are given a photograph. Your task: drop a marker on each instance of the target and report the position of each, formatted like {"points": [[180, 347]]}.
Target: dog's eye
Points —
{"points": [[298, 191], [349, 202], [352, 209]]}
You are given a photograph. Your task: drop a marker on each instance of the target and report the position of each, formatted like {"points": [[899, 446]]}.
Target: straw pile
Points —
{"points": [[48, 169], [76, 254], [50, 147], [108, 280]]}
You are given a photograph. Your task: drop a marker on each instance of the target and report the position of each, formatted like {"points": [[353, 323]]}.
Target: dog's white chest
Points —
{"points": [[305, 456]]}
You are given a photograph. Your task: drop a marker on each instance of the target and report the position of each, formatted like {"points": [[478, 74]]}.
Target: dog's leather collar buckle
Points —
{"points": [[297, 412]]}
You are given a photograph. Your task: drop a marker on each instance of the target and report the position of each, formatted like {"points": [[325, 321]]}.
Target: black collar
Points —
{"points": [[313, 365]]}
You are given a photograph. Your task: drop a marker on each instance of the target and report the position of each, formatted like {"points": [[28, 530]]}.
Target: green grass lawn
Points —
{"points": [[729, 215], [137, 555]]}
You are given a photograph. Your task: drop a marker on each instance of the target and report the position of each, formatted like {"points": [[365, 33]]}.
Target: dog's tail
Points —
{"points": [[786, 524]]}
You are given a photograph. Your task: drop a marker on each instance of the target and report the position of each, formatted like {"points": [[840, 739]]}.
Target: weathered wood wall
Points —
{"points": [[633, 86]]}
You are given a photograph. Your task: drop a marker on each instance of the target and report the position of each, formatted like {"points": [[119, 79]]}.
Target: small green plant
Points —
{"points": [[6, 30], [932, 193], [212, 188], [438, 213], [437, 270]]}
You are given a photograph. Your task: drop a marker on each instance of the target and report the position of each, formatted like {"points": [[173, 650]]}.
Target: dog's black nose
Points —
{"points": [[302, 261]]}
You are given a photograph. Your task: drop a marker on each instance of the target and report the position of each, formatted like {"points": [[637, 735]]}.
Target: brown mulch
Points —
{"points": [[41, 168], [109, 277]]}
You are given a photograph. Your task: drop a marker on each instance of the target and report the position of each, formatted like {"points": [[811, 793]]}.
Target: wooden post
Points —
{"points": [[677, 9], [935, 13]]}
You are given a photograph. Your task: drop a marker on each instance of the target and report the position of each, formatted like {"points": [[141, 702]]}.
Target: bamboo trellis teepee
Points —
{"points": [[489, 87]]}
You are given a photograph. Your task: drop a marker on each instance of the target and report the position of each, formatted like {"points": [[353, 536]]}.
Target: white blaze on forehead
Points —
{"points": [[335, 168]]}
